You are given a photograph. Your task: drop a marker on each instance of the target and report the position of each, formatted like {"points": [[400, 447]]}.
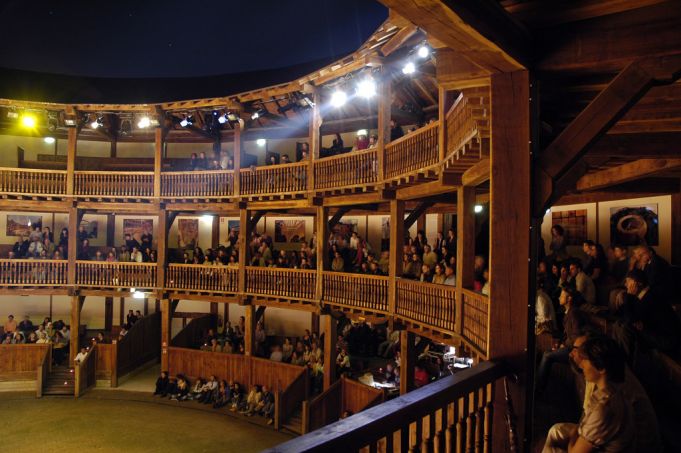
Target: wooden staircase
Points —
{"points": [[61, 381], [295, 421]]}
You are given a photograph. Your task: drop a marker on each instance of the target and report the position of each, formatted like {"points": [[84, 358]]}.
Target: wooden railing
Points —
{"points": [[413, 152], [426, 303], [140, 345], [134, 184], [116, 274], [350, 169], [274, 179], [292, 397], [33, 272], [468, 118], [32, 182], [475, 314], [451, 414], [191, 335], [197, 277], [86, 372], [209, 184], [19, 362], [285, 283], [356, 290], [106, 363], [43, 370]]}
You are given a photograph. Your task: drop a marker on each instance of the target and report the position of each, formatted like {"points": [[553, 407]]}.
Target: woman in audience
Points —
{"points": [[223, 395], [181, 391], [237, 397], [287, 350], [252, 401], [439, 276]]}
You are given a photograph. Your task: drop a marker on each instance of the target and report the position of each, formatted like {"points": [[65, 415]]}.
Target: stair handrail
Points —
{"points": [[310, 420], [43, 370], [292, 396]]}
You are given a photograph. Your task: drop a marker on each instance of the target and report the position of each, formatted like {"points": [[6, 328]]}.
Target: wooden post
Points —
{"points": [[249, 334], [162, 248], [215, 232], [315, 138], [158, 161], [442, 117], [244, 239], [676, 228], [322, 248], [166, 329], [314, 323], [74, 342], [74, 221], [110, 230], [237, 160], [329, 329], [421, 224], [510, 214], [407, 361], [71, 146], [384, 105], [396, 250], [465, 247], [108, 314], [121, 309]]}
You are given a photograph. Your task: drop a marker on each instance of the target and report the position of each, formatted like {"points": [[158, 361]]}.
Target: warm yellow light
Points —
{"points": [[28, 121]]}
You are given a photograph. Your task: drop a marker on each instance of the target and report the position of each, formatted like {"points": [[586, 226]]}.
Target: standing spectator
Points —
{"points": [[11, 325]]}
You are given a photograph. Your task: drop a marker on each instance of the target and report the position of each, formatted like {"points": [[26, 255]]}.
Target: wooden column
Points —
{"points": [[158, 160], [215, 233], [110, 230], [421, 224], [166, 332], [249, 334], [330, 331], [121, 311], [314, 323], [384, 105], [396, 246], [465, 246], [244, 238], [407, 361], [315, 138], [676, 228], [71, 145], [108, 313], [237, 160], [510, 215], [442, 108], [322, 248], [162, 248], [74, 221], [74, 342]]}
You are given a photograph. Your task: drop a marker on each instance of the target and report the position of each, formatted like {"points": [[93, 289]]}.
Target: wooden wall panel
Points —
{"points": [[20, 361], [357, 396]]}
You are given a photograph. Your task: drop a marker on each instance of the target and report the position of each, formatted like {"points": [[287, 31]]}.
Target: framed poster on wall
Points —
{"points": [[635, 225]]}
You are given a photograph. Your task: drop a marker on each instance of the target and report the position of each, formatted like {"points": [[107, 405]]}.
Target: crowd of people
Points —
{"points": [[40, 244], [630, 291], [25, 332]]}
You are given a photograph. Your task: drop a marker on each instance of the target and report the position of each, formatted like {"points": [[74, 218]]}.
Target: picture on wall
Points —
{"points": [[19, 225], [187, 233], [574, 222], [289, 230], [635, 226], [137, 227], [233, 225], [91, 228]]}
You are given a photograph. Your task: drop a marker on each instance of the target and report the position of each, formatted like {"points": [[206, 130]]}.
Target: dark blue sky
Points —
{"points": [[151, 38]]}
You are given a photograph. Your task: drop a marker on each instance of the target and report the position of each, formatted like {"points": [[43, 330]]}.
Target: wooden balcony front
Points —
{"points": [[212, 184], [350, 170], [426, 304], [355, 291], [475, 322], [200, 278], [32, 182], [103, 184], [284, 284], [413, 153], [115, 275], [263, 182], [31, 272]]}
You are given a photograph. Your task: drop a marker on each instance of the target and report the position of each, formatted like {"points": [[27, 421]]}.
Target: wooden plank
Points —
{"points": [[465, 246], [396, 250], [408, 361], [416, 213], [398, 39], [236, 184], [71, 146], [35, 206], [480, 30], [477, 174], [162, 247], [384, 113], [322, 248], [249, 334], [661, 145], [452, 68], [166, 329], [329, 330], [158, 160], [627, 172], [428, 189]]}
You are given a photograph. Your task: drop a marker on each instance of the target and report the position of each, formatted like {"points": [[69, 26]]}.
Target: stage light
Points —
{"points": [[409, 68], [255, 116], [70, 122], [222, 119], [478, 208], [144, 122], [366, 88], [423, 51], [207, 218], [138, 295], [261, 142], [232, 116], [12, 114], [186, 121], [338, 98], [99, 121], [49, 140], [362, 132], [28, 120], [258, 114]]}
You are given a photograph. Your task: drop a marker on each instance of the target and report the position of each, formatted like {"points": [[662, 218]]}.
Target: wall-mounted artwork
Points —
{"points": [[187, 233], [91, 228], [635, 226], [19, 225], [233, 225], [574, 222], [289, 230], [137, 227]]}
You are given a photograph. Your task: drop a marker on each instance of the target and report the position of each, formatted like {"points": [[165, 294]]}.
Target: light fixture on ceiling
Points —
{"points": [[49, 140], [144, 122], [423, 51], [477, 208], [99, 121], [366, 88], [261, 142], [28, 120], [409, 68], [338, 98]]}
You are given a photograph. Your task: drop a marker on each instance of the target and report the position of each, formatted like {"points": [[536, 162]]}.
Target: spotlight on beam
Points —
{"points": [[423, 51], [409, 68], [261, 142], [366, 88], [222, 119], [99, 121], [28, 120], [144, 122], [187, 121], [258, 114], [338, 98], [478, 208], [49, 140]]}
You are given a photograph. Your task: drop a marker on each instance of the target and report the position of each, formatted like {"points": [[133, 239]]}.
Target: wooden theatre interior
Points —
{"points": [[521, 106]]}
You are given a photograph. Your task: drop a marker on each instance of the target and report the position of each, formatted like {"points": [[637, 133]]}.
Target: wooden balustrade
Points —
{"points": [[468, 118], [274, 179], [106, 361], [116, 274], [85, 372], [199, 277], [20, 361], [193, 333], [413, 152], [356, 290], [451, 414], [43, 370], [22, 181], [426, 303], [349, 169], [285, 283], [33, 272], [137, 184], [475, 317], [188, 184]]}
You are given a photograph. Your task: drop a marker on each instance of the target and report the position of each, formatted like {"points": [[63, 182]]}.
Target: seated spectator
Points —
{"points": [[208, 391], [607, 423], [26, 325], [223, 396], [196, 389], [266, 405], [131, 318], [338, 264], [276, 355], [583, 283], [426, 274], [430, 258], [620, 266], [545, 315], [439, 276], [181, 390], [421, 377], [237, 397], [450, 276], [252, 400]]}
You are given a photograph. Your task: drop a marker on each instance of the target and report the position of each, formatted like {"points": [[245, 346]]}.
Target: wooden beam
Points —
{"points": [[166, 332], [71, 147], [315, 124], [428, 189], [627, 172], [477, 174], [416, 213], [396, 250], [398, 39], [655, 145], [249, 334], [158, 160], [676, 228], [236, 185], [74, 342], [329, 329], [451, 69], [480, 30], [333, 221], [384, 116], [253, 221], [322, 248], [408, 361]]}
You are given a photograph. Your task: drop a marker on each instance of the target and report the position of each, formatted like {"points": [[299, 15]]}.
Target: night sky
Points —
{"points": [[179, 39]]}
